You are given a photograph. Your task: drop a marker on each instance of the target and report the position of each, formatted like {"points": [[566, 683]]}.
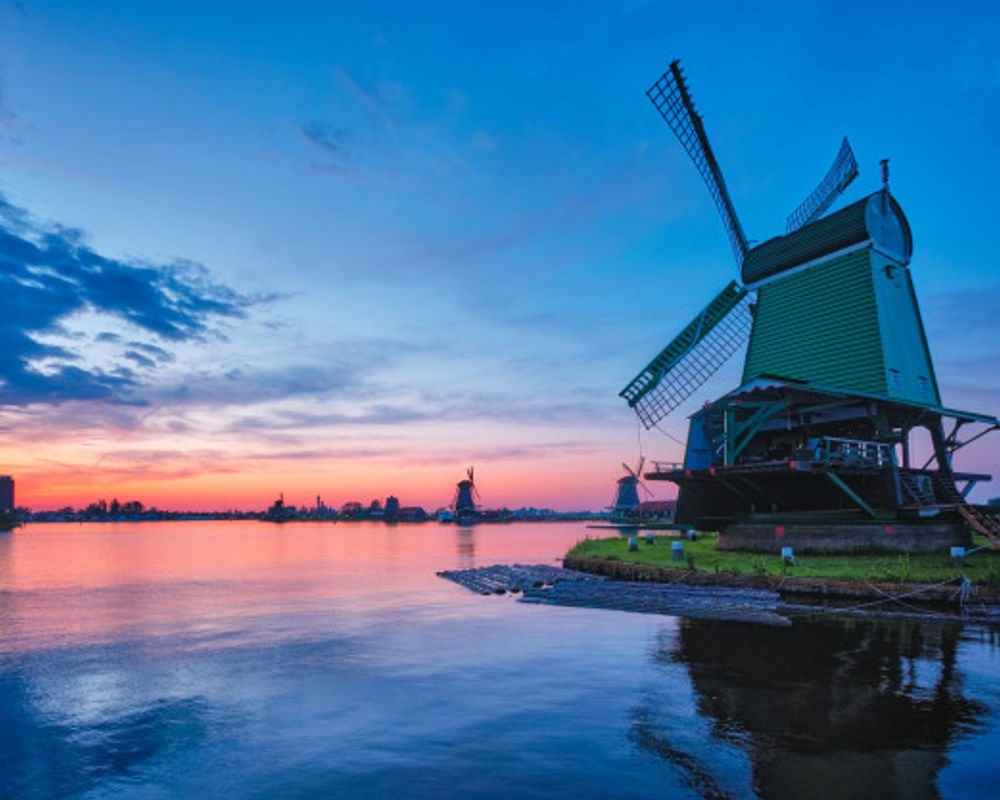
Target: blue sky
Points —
{"points": [[407, 236]]}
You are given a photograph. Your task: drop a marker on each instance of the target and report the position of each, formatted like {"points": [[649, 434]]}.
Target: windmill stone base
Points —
{"points": [[894, 536]]}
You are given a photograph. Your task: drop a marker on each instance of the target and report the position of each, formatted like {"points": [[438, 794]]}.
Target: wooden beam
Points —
{"points": [[852, 494]]}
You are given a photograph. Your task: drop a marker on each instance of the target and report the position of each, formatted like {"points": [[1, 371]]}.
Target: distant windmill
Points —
{"points": [[466, 494], [816, 440], [626, 499]]}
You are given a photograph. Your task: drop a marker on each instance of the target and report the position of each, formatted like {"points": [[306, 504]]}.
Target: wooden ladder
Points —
{"points": [[986, 524]]}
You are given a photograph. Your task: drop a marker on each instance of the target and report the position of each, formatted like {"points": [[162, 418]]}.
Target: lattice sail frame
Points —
{"points": [[843, 170], [696, 354], [672, 99], [723, 326]]}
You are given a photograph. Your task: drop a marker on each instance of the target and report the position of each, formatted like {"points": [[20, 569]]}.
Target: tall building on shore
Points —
{"points": [[6, 493]]}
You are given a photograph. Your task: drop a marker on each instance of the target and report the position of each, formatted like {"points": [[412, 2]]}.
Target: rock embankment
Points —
{"points": [[974, 600], [764, 599]]}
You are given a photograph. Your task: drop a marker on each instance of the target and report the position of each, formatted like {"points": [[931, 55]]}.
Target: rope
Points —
{"points": [[888, 598], [668, 434], [638, 436]]}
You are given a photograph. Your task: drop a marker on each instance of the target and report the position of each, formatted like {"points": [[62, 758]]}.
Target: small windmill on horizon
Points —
{"points": [[626, 500], [466, 494]]}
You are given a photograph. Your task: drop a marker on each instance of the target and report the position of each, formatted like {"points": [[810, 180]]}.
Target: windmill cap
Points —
{"points": [[876, 220]]}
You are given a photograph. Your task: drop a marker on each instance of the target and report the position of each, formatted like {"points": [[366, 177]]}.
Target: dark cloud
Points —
{"points": [[47, 274], [333, 143], [14, 218], [152, 351], [140, 359]]}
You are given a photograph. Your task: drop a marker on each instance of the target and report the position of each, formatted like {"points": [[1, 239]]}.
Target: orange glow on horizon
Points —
{"points": [[562, 483]]}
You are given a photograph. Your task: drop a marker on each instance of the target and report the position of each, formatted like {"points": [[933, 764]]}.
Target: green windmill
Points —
{"points": [[817, 447]]}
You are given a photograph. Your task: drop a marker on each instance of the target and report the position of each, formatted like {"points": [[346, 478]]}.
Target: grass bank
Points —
{"points": [[982, 568]]}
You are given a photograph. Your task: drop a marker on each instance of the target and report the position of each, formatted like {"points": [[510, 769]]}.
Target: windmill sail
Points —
{"points": [[841, 173], [693, 356], [672, 99]]}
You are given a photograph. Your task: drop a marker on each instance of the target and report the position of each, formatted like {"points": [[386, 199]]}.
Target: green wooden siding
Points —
{"points": [[850, 323], [820, 325], [907, 358]]}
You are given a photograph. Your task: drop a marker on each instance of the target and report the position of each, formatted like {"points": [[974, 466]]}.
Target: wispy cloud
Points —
{"points": [[333, 143], [10, 127], [466, 407], [250, 386], [376, 100], [967, 314]]}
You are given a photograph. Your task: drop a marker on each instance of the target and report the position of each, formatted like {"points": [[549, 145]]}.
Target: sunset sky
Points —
{"points": [[350, 249]]}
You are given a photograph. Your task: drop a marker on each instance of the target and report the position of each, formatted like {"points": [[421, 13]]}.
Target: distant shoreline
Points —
{"points": [[254, 516]]}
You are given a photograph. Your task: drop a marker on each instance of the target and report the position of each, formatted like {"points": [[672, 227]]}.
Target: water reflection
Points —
{"points": [[465, 546], [834, 709], [59, 755]]}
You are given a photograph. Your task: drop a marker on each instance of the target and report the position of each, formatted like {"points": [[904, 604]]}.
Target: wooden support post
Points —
{"points": [[852, 494], [941, 451]]}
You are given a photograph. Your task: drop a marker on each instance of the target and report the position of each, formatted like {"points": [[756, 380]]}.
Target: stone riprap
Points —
{"points": [[557, 586], [503, 578]]}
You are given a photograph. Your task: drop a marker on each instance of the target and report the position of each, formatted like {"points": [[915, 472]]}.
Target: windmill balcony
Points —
{"points": [[666, 466], [834, 450]]}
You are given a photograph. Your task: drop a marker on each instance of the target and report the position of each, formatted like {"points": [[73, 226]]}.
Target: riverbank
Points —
{"points": [[926, 578]]}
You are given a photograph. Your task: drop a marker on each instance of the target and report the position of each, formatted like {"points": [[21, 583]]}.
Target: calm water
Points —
{"points": [[247, 660]]}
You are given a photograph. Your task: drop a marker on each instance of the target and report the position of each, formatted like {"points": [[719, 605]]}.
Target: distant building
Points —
{"points": [[391, 507], [279, 512], [6, 493]]}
